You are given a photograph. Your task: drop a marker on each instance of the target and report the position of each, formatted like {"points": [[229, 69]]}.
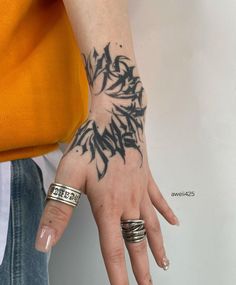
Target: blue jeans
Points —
{"points": [[22, 263]]}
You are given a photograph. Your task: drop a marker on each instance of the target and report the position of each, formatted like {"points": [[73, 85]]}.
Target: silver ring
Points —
{"points": [[133, 230], [63, 193]]}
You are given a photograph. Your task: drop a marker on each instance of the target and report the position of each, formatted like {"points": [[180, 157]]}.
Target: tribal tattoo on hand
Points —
{"points": [[126, 124]]}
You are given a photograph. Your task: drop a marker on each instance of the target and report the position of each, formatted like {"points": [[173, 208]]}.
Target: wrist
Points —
{"points": [[115, 85], [103, 107]]}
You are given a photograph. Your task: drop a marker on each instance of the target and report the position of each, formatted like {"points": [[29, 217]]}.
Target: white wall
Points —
{"points": [[186, 54]]}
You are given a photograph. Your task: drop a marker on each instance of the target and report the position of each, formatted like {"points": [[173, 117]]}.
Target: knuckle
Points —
{"points": [[112, 208], [139, 247], [116, 256], [134, 200], [154, 228], [168, 211], [57, 213], [160, 198], [113, 204], [106, 210], [147, 279]]}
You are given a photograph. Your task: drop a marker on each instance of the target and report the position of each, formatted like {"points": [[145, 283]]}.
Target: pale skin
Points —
{"points": [[107, 160]]}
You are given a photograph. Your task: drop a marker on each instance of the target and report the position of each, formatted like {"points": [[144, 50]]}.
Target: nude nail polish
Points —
{"points": [[165, 263], [45, 239], [176, 221]]}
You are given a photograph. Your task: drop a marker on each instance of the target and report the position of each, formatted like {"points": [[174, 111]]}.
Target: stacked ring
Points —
{"points": [[133, 230]]}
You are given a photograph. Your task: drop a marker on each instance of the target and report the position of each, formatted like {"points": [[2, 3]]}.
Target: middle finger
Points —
{"points": [[138, 255]]}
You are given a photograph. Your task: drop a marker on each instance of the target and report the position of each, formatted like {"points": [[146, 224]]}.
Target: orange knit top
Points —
{"points": [[43, 84]]}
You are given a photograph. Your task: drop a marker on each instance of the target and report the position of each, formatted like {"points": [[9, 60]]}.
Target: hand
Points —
{"points": [[120, 186]]}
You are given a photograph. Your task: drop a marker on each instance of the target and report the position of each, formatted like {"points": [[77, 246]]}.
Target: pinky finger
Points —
{"points": [[154, 234], [160, 203]]}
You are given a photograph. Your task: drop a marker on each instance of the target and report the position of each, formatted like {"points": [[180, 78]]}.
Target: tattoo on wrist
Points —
{"points": [[126, 124]]}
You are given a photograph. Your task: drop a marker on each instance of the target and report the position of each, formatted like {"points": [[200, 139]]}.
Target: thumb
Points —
{"points": [[56, 214]]}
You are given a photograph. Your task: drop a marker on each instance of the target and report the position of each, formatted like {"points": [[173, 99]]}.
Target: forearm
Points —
{"points": [[96, 22], [102, 29], [118, 100]]}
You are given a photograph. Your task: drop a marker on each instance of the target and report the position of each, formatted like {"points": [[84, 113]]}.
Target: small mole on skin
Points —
{"points": [[50, 221], [77, 150], [121, 46]]}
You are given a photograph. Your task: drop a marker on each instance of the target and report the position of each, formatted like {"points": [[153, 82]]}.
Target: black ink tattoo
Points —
{"points": [[125, 129]]}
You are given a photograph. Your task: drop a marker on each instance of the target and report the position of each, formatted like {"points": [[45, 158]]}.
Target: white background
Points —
{"points": [[186, 54]]}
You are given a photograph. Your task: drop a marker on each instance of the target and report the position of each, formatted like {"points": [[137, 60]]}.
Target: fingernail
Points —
{"points": [[165, 263], [176, 221], [45, 239]]}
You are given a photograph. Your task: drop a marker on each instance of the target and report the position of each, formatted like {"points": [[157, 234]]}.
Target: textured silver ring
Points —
{"points": [[63, 193], [133, 230]]}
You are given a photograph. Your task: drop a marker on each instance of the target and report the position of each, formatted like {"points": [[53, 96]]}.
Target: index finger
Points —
{"points": [[112, 247]]}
